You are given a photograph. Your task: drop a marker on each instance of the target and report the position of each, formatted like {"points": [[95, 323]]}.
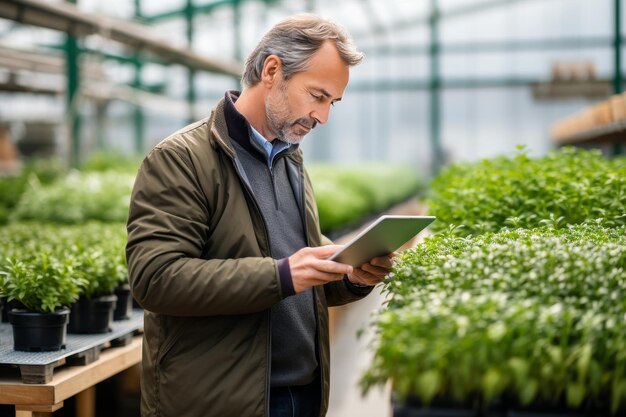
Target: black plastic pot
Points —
{"points": [[39, 332], [124, 304], [92, 315]]}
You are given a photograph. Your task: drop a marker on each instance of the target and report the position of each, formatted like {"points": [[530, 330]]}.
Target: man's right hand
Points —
{"points": [[310, 267]]}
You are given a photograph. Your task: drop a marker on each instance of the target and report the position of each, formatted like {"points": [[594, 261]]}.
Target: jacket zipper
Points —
{"points": [[315, 299], [308, 242], [269, 321]]}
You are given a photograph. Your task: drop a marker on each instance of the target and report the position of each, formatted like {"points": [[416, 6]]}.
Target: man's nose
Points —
{"points": [[321, 113]]}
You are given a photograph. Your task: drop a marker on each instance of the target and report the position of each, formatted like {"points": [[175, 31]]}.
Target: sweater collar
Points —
{"points": [[240, 130]]}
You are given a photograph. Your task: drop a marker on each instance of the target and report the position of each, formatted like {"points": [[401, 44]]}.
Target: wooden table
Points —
{"points": [[39, 400]]}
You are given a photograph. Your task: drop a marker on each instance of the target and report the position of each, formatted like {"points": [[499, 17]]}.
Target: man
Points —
{"points": [[224, 248]]}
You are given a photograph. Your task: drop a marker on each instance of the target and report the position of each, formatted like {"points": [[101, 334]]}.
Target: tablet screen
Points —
{"points": [[383, 236]]}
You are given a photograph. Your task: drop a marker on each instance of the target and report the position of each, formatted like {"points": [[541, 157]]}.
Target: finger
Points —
{"points": [[362, 277], [356, 277], [324, 277], [334, 267], [325, 251], [382, 261], [375, 270]]}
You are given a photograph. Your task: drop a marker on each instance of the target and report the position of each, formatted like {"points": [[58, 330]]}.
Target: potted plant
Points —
{"points": [[520, 321], [111, 241], [93, 311], [115, 265], [45, 287]]}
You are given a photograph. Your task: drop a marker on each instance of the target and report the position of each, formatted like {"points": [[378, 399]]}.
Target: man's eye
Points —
{"points": [[315, 96]]}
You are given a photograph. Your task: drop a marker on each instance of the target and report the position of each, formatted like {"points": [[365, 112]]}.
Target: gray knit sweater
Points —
{"points": [[293, 326]]}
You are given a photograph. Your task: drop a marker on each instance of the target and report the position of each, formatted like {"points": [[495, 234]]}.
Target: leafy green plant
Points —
{"points": [[42, 284], [46, 170], [528, 315], [92, 255], [117, 161], [11, 189], [102, 265], [565, 187], [346, 194], [77, 198]]}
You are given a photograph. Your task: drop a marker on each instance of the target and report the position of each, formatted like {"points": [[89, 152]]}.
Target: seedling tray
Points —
{"points": [[80, 349]]}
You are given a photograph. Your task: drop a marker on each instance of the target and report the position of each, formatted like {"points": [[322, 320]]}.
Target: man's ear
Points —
{"points": [[272, 70]]}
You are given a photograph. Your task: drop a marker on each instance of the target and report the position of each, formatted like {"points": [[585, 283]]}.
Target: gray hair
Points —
{"points": [[294, 41]]}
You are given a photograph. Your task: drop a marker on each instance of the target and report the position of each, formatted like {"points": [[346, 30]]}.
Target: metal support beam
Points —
{"points": [[617, 59], [444, 84], [68, 18], [179, 13], [435, 90], [207, 8], [617, 47], [191, 74], [497, 46], [237, 41], [72, 108], [101, 117], [138, 112], [457, 12]]}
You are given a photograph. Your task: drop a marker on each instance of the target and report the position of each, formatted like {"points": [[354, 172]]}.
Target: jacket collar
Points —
{"points": [[226, 124]]}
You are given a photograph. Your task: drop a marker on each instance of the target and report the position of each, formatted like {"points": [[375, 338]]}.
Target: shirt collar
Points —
{"points": [[271, 148], [245, 135]]}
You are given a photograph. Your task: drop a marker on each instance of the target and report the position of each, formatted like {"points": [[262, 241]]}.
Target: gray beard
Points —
{"points": [[277, 121], [279, 127]]}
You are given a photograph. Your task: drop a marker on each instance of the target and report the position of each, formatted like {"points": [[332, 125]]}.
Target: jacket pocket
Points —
{"points": [[169, 342], [190, 332], [216, 367]]}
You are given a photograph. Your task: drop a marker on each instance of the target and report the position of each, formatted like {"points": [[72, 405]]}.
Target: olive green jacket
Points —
{"points": [[198, 258]]}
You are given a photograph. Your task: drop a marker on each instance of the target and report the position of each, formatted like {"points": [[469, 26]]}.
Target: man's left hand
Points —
{"points": [[373, 272]]}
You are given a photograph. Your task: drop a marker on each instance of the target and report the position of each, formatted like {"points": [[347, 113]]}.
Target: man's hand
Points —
{"points": [[373, 272], [309, 267]]}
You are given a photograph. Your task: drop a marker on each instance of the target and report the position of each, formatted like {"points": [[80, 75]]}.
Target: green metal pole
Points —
{"points": [[237, 34], [73, 84], [435, 90], [101, 111], [617, 42], [310, 6], [617, 60], [191, 74], [138, 113]]}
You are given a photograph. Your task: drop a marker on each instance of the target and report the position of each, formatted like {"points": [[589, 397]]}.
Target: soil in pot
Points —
{"points": [[124, 305], [39, 332], [92, 315]]}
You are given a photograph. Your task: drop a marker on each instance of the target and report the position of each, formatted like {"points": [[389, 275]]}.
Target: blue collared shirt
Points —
{"points": [[271, 149]]}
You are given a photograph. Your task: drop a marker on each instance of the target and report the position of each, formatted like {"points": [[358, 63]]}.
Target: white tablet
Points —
{"points": [[380, 238]]}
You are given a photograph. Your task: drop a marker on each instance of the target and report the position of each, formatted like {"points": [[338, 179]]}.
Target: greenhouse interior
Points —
{"points": [[154, 260]]}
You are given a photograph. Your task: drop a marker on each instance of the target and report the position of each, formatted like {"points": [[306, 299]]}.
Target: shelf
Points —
{"points": [[68, 18], [71, 380], [611, 133], [38, 367]]}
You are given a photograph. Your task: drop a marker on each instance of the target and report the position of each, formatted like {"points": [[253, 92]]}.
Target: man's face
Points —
{"points": [[294, 107]]}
